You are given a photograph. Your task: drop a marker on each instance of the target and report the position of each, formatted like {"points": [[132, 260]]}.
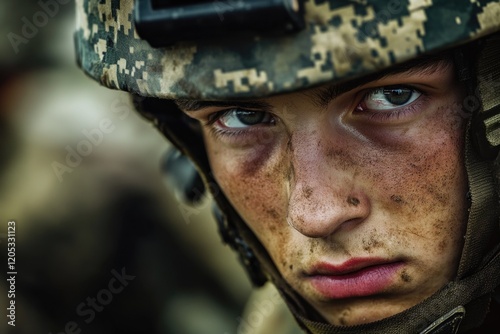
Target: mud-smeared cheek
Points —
{"points": [[372, 243], [253, 181], [427, 168], [420, 187], [405, 277]]}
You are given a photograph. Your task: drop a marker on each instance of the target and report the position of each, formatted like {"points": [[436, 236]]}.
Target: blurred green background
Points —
{"points": [[112, 212]]}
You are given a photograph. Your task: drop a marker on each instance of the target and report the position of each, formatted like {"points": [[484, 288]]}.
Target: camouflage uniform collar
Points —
{"points": [[447, 324]]}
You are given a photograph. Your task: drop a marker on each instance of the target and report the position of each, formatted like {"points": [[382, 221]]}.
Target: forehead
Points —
{"points": [[419, 67]]}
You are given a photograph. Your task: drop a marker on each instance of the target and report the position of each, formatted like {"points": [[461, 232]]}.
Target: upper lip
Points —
{"points": [[347, 267]]}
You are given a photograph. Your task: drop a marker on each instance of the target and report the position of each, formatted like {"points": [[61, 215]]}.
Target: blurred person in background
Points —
{"points": [[85, 220]]}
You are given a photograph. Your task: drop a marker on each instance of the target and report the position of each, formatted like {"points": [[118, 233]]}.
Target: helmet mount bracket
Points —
{"points": [[163, 22]]}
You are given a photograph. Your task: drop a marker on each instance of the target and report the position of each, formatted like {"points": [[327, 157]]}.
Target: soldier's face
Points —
{"points": [[358, 193]]}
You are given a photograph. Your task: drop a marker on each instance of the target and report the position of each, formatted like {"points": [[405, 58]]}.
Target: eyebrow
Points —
{"points": [[194, 105], [425, 65]]}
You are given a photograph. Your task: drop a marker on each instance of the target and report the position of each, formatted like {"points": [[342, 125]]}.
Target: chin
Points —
{"points": [[355, 312]]}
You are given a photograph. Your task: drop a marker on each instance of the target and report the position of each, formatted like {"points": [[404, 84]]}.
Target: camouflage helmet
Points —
{"points": [[343, 39], [313, 42]]}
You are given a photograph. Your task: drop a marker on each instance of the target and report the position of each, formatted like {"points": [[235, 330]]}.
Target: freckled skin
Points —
{"points": [[329, 185]]}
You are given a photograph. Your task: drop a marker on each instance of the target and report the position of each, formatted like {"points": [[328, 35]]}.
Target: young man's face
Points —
{"points": [[357, 192]]}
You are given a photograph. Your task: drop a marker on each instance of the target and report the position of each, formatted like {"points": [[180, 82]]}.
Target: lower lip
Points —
{"points": [[365, 282]]}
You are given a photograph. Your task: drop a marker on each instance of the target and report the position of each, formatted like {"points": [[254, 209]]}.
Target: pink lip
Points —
{"points": [[356, 277]]}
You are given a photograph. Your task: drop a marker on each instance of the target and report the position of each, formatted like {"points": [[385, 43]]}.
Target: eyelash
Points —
{"points": [[396, 113], [221, 133], [376, 116]]}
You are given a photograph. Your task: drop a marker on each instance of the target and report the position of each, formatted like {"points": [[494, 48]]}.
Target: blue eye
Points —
{"points": [[237, 118], [389, 98]]}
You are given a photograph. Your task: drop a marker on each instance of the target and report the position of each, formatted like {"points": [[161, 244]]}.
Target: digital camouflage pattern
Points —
{"points": [[343, 39]]}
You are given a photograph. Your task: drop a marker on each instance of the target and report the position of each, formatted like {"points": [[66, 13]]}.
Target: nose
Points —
{"points": [[324, 195]]}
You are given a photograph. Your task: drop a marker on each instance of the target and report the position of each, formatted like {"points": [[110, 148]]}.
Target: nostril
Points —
{"points": [[318, 216], [353, 201], [350, 224]]}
